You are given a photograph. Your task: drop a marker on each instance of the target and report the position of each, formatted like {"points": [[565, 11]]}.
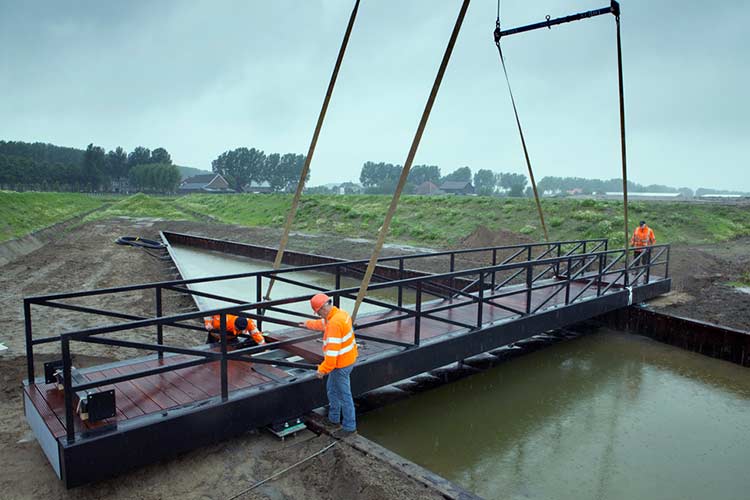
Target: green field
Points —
{"points": [[432, 221], [444, 220], [22, 213]]}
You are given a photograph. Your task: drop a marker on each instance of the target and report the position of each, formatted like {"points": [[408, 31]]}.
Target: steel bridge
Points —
{"points": [[96, 422]]}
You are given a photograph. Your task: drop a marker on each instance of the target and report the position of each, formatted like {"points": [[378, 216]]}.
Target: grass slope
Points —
{"points": [[447, 219], [142, 205], [22, 213]]}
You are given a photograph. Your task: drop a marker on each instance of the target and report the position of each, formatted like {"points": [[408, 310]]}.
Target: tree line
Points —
{"points": [[382, 178], [243, 166], [43, 166]]}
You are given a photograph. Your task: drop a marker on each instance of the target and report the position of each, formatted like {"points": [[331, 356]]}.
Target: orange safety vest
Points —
{"points": [[214, 323], [642, 237], [339, 344]]}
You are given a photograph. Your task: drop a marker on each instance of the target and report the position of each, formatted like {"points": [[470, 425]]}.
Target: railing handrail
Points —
{"points": [[343, 291], [272, 272]]}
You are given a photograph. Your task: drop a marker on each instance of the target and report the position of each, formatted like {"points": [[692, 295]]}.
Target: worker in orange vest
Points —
{"points": [[236, 325], [340, 351], [643, 237]]}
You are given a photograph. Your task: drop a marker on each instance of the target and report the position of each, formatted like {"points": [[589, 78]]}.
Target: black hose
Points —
{"points": [[137, 241]]}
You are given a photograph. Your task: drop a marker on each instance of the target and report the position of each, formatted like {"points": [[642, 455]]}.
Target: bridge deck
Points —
{"points": [[156, 393]]}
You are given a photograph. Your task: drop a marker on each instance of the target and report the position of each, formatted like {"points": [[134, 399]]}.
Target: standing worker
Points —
{"points": [[643, 237], [340, 350], [236, 326]]}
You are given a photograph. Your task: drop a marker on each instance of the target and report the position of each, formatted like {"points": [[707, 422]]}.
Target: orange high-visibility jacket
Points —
{"points": [[339, 345], [642, 237], [214, 323]]}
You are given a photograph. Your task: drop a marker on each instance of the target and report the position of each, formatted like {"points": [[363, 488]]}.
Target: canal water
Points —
{"points": [[605, 416], [195, 263]]}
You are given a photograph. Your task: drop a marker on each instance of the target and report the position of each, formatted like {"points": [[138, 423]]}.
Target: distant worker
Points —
{"points": [[643, 237], [236, 326], [340, 350]]}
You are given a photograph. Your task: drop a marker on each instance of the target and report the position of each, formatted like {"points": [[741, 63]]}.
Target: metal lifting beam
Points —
{"points": [[614, 8]]}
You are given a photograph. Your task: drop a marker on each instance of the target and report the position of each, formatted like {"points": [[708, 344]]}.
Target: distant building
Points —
{"points": [[208, 183], [257, 187], [457, 187], [617, 195], [428, 188]]}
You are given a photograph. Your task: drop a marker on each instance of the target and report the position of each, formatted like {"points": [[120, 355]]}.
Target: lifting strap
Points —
{"points": [[520, 130], [409, 159], [306, 168], [622, 142]]}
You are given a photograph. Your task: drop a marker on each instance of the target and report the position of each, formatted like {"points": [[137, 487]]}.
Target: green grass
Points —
{"points": [[447, 219], [22, 213], [424, 220], [142, 205]]}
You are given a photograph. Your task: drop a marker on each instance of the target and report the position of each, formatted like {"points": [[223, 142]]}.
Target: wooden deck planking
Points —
{"points": [[49, 417]]}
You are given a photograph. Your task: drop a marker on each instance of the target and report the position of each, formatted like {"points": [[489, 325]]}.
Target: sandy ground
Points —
{"points": [[86, 257]]}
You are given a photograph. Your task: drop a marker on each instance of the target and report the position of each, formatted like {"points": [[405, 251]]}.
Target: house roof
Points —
{"points": [[255, 184], [455, 185], [202, 179]]}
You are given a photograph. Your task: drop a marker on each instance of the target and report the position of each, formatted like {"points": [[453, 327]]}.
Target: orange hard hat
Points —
{"points": [[319, 301]]}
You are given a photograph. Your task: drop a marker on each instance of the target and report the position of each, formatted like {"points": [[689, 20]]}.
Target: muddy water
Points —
{"points": [[606, 416], [195, 263]]}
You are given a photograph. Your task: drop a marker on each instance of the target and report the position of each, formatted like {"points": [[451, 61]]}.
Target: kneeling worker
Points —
{"points": [[340, 350], [236, 325]]}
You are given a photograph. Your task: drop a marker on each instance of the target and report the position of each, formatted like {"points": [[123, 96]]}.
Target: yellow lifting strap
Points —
{"points": [[622, 145], [520, 132], [409, 159], [306, 168]]}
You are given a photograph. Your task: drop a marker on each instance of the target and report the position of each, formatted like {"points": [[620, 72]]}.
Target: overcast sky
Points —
{"points": [[199, 78]]}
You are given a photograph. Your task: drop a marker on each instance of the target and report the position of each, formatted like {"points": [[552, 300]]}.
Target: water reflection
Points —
{"points": [[605, 416]]}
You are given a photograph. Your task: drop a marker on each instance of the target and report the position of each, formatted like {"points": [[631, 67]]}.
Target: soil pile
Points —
{"points": [[482, 236]]}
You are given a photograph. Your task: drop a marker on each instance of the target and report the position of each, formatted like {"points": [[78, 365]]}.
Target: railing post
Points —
{"points": [[400, 286], [666, 265], [599, 277], [258, 299], [529, 283], [418, 311], [567, 284], [224, 382], [159, 327], [494, 263], [337, 284], [557, 265], [626, 278], [480, 304], [29, 340], [70, 431], [453, 268], [647, 252]]}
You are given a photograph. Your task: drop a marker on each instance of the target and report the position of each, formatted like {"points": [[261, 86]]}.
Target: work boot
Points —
{"points": [[344, 433]]}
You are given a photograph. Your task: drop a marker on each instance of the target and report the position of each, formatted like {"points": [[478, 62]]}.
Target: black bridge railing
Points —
{"points": [[508, 271]]}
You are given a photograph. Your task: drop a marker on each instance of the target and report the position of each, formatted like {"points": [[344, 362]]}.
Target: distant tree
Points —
{"points": [[380, 177], [242, 164], [424, 173], [117, 163], [155, 177], [484, 182], [462, 174], [513, 183], [139, 156], [287, 173], [686, 192], [160, 155], [94, 167]]}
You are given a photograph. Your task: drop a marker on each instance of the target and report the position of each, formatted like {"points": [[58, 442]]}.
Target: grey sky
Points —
{"points": [[199, 78]]}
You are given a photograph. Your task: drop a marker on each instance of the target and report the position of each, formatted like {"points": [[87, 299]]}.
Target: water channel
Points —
{"points": [[605, 416]]}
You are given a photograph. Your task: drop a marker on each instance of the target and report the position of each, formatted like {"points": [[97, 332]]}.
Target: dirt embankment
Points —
{"points": [[85, 258]]}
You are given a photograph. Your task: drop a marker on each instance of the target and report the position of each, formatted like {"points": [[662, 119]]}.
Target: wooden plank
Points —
{"points": [[148, 388], [49, 417], [176, 379], [126, 408]]}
